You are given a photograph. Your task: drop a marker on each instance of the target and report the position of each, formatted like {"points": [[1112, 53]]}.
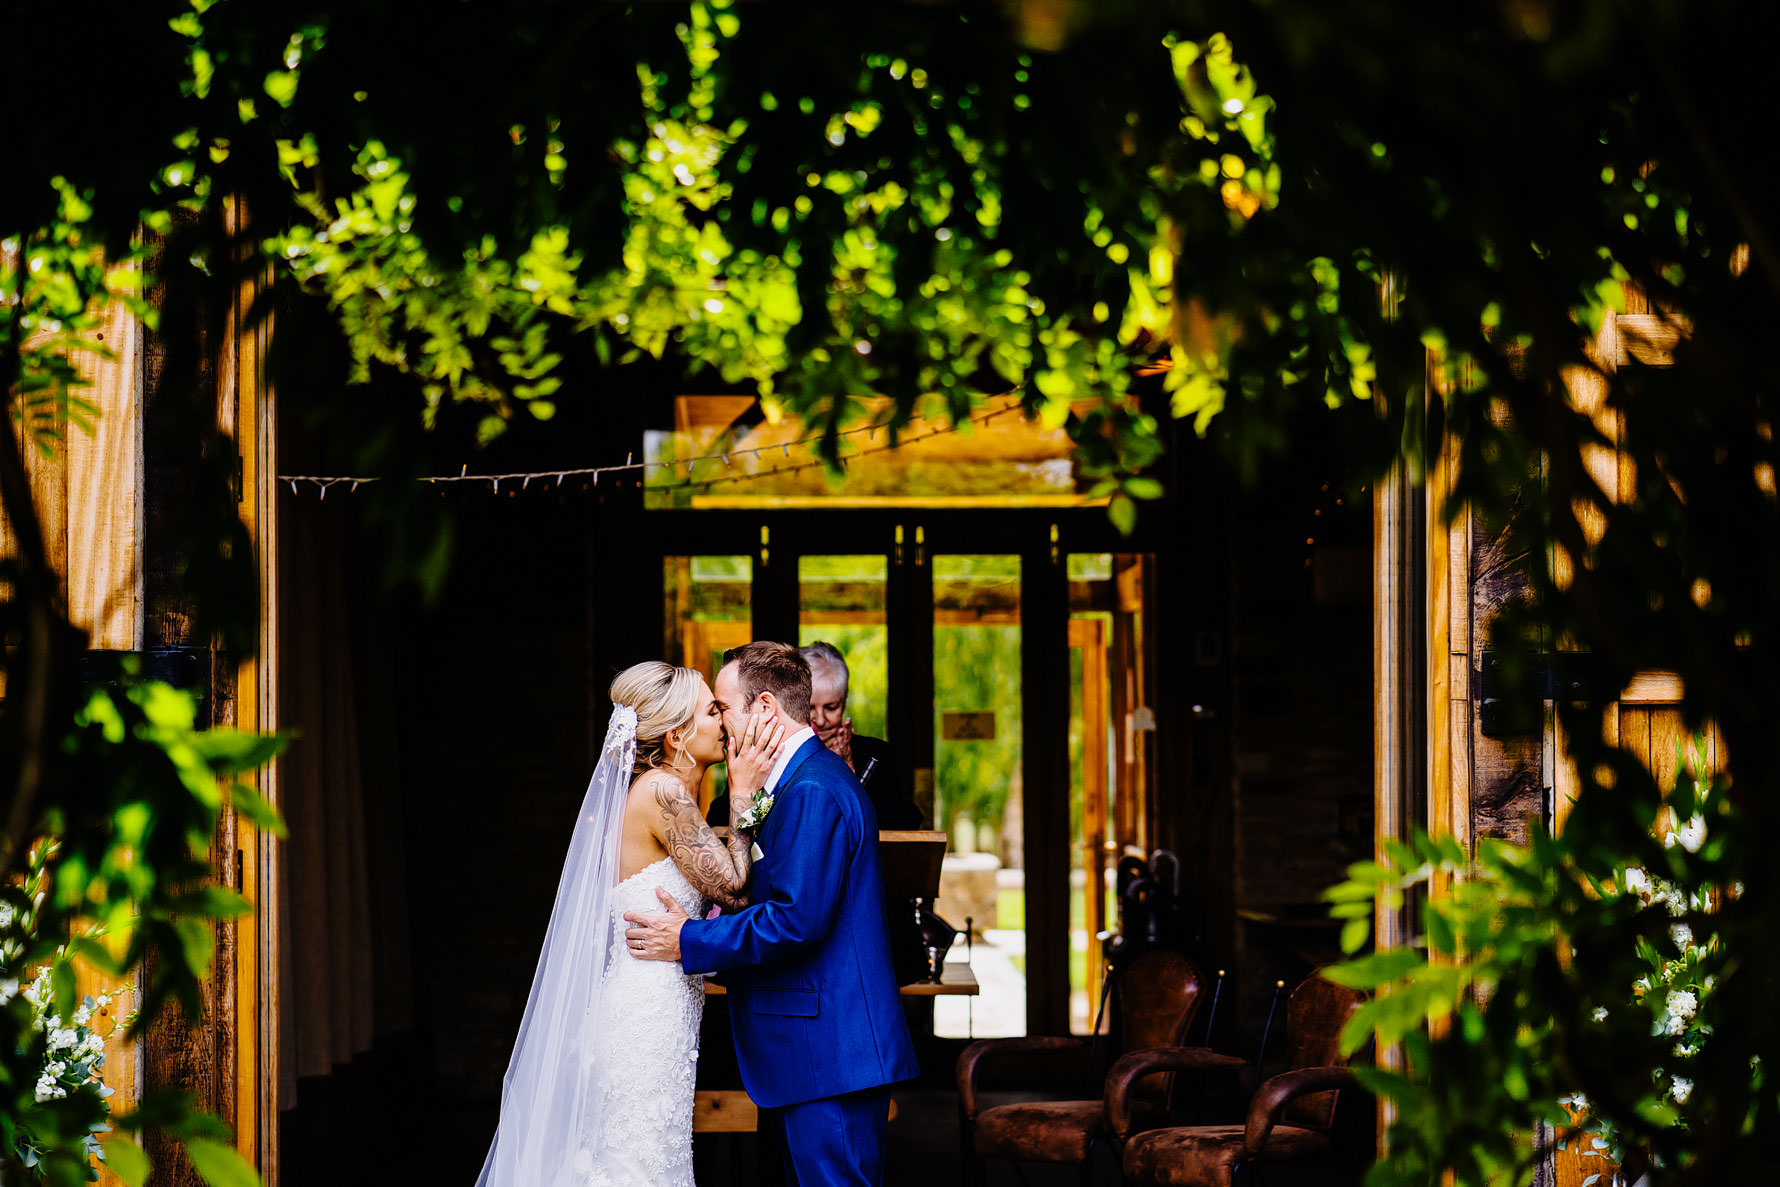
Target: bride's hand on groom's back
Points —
{"points": [[752, 755]]}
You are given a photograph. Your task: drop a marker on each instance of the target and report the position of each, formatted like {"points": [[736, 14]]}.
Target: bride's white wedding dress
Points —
{"points": [[642, 1052], [598, 1092]]}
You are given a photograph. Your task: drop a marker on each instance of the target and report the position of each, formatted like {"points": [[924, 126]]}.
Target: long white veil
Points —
{"points": [[546, 1103]]}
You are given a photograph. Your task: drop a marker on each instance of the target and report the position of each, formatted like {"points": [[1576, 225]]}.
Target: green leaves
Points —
{"points": [[256, 811], [220, 1165], [1539, 978], [138, 791], [127, 1160]]}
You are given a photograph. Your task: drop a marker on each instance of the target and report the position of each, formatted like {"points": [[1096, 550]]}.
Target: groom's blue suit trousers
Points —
{"points": [[837, 1141]]}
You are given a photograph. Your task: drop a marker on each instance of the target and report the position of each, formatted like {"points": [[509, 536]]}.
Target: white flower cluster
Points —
{"points": [[1652, 891], [49, 1084], [1678, 979], [1690, 836], [75, 1054], [1678, 1010]]}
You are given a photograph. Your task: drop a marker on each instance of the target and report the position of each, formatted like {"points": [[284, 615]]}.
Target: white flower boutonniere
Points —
{"points": [[754, 817]]}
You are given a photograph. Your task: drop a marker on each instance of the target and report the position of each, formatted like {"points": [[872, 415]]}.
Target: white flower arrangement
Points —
{"points": [[1675, 991], [74, 1055], [757, 811], [73, 1047]]}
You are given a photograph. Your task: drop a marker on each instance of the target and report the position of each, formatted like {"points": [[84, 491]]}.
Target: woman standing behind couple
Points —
{"points": [[600, 1087]]}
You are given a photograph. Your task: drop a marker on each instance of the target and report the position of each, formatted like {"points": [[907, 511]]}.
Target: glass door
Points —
{"points": [[707, 608], [1004, 680], [978, 786], [1110, 725], [841, 601]]}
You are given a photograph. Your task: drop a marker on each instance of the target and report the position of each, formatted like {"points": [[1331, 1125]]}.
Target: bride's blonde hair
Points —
{"points": [[665, 699]]}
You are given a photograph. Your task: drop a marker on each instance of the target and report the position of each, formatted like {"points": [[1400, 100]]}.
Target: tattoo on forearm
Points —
{"points": [[717, 869]]}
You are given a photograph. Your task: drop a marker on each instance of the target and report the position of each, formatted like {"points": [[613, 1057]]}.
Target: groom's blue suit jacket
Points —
{"points": [[812, 997]]}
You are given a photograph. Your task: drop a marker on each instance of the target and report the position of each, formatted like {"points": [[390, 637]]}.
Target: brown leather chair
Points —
{"points": [[1303, 1098], [1158, 996]]}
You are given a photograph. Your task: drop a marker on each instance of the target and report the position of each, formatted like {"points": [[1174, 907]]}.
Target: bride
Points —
{"points": [[599, 1089]]}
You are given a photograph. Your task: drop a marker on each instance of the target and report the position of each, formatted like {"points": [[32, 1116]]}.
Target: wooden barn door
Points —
{"points": [[230, 1061], [102, 499]]}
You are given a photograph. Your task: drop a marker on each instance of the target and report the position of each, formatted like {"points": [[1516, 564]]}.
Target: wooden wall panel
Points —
{"points": [[104, 577], [104, 495], [88, 496]]}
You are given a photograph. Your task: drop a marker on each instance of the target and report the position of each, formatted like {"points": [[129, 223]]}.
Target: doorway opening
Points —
{"points": [[960, 633]]}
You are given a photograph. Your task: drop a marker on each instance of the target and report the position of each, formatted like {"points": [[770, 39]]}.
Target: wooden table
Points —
{"points": [[729, 1110], [956, 979]]}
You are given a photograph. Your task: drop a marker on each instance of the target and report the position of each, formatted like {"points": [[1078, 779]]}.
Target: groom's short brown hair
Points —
{"points": [[777, 668]]}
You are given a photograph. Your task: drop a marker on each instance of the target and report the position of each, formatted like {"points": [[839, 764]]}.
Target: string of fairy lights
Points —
{"points": [[590, 476]]}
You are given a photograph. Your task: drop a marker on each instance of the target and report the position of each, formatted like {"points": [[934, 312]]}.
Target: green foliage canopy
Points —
{"points": [[1307, 213]]}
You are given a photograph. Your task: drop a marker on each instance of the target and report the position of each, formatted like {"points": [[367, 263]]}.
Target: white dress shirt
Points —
{"points": [[792, 745]]}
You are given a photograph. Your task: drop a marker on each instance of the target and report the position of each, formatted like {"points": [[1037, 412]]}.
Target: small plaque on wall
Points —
{"points": [[967, 727]]}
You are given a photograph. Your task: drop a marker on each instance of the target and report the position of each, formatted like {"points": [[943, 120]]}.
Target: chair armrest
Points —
{"points": [[972, 1057], [1131, 1068], [1271, 1098]]}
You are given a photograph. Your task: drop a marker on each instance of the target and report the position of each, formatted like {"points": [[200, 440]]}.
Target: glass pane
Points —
{"points": [[977, 782], [840, 600], [723, 453], [1109, 724], [707, 609]]}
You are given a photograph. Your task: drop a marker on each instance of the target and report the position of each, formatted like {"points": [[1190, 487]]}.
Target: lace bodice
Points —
{"points": [[644, 1052]]}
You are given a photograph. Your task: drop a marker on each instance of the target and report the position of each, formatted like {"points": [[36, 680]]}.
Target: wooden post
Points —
{"points": [[203, 1059], [256, 1002]]}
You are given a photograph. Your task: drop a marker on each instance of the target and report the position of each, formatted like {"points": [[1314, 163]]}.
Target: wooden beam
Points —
{"points": [[257, 981], [1652, 688]]}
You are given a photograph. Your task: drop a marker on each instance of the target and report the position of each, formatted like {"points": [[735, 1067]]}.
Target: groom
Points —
{"points": [[819, 1029]]}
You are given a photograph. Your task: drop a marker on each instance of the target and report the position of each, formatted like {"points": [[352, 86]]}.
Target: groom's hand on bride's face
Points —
{"points": [[656, 937]]}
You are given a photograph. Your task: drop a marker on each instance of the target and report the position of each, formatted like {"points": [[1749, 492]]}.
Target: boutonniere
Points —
{"points": [[754, 817]]}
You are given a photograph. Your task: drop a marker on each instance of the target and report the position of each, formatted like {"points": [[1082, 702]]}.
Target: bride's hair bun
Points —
{"points": [[665, 698]]}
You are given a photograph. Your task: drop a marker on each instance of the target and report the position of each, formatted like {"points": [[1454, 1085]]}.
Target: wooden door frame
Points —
{"points": [[1043, 539], [259, 1003]]}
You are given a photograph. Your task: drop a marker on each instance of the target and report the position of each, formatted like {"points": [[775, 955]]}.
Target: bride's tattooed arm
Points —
{"points": [[717, 869]]}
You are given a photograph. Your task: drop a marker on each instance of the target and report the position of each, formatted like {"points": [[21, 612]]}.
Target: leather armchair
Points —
{"points": [[1212, 1155], [1158, 996], [1125, 1111], [1289, 1117]]}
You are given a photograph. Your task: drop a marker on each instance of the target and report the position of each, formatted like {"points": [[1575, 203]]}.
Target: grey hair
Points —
{"points": [[828, 655]]}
